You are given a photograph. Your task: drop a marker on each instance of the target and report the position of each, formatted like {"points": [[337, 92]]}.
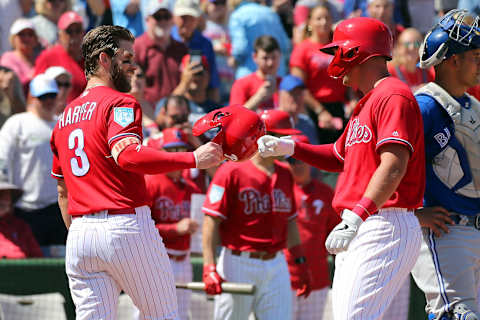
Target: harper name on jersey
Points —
{"points": [[78, 114]]}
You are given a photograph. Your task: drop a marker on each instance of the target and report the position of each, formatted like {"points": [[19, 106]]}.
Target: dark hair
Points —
{"points": [[181, 100], [266, 43], [102, 39]]}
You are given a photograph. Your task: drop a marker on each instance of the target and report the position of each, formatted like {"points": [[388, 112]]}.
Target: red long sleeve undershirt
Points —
{"points": [[146, 160], [168, 230], [320, 156]]}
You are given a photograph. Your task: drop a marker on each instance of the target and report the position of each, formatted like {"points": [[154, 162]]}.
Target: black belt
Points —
{"points": [[464, 220]]}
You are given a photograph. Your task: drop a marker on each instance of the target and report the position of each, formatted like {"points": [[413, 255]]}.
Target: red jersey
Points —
{"points": [[314, 63], [316, 218], [255, 207], [17, 240], [386, 114], [413, 79], [244, 88], [57, 56], [81, 143]]}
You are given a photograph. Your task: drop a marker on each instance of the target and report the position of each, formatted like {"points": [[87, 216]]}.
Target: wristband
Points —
{"points": [[365, 208]]}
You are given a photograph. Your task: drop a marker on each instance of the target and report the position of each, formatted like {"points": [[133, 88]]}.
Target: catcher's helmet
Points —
{"points": [[239, 127], [457, 32], [279, 122], [354, 41]]}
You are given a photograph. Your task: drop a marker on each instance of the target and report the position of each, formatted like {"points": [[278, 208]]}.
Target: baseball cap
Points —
{"points": [[279, 122], [156, 5], [187, 8], [173, 138], [21, 24], [69, 18], [290, 82], [41, 85], [186, 61], [54, 72]]}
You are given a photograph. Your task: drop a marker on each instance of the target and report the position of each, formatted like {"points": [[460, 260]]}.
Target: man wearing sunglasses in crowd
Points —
{"points": [[63, 78], [158, 54], [67, 52], [25, 160]]}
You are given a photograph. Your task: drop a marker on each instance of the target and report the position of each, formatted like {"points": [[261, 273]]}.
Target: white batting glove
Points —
{"points": [[341, 236], [270, 146]]}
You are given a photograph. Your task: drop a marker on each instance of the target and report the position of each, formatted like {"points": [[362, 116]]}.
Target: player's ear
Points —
{"points": [[104, 60]]}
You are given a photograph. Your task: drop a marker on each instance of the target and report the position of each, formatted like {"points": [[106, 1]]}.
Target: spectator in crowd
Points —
{"points": [[158, 54], [325, 96], [472, 6], [21, 59], [284, 10], [186, 16], [67, 53], [405, 59], [422, 14], [291, 100], [315, 219], [26, 159], [259, 90], [63, 78], [12, 99], [383, 11], [249, 21], [47, 18], [171, 195], [94, 12], [16, 237], [217, 31], [443, 6], [10, 10], [128, 14]]}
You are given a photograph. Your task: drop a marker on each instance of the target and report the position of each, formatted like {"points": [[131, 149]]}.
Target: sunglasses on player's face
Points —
{"points": [[65, 85], [161, 15], [47, 96]]}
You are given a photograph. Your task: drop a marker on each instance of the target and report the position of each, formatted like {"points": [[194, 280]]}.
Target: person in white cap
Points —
{"points": [[26, 158], [63, 78], [21, 59]]}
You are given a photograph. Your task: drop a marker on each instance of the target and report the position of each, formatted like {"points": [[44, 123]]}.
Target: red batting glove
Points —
{"points": [[212, 280], [305, 281]]}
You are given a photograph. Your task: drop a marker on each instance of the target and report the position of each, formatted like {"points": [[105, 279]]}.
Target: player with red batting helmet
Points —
{"points": [[250, 205], [381, 159]]}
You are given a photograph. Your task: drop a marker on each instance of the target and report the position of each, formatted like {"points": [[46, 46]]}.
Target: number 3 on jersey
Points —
{"points": [[76, 141]]}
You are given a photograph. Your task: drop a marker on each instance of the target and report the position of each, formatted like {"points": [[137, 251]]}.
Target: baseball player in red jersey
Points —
{"points": [[381, 159], [250, 205], [100, 163], [316, 218], [171, 195]]}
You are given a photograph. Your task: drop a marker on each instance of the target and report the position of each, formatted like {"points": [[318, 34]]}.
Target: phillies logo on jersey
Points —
{"points": [[170, 210], [255, 202], [358, 133]]}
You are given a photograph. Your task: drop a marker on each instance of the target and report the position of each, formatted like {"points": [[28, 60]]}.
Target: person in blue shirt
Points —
{"points": [[447, 269]]}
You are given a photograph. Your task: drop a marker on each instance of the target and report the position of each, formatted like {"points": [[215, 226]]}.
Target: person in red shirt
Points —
{"points": [[16, 237], [325, 97], [250, 206], [381, 158], [171, 194], [383, 11], [67, 52], [259, 90], [100, 163], [405, 59], [316, 218]]}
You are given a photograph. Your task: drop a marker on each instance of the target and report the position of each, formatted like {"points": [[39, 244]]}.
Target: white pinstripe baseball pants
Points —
{"points": [[182, 272], [109, 253], [378, 261], [311, 308]]}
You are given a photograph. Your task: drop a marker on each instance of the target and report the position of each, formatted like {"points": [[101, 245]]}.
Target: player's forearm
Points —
{"points": [[145, 160], [167, 230], [319, 156], [253, 102], [63, 203], [293, 236], [209, 239]]}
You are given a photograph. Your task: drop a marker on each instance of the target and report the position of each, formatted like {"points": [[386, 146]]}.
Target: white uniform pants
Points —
{"points": [[311, 308], [109, 253], [273, 295], [378, 261], [182, 272]]}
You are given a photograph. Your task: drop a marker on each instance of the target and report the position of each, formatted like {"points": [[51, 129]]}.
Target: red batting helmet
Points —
{"points": [[279, 122], [354, 41], [240, 129]]}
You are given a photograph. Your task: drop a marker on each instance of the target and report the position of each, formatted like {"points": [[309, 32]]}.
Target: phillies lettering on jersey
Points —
{"points": [[255, 207], [386, 114], [169, 210]]}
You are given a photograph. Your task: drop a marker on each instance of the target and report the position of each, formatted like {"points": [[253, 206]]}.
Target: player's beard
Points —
{"points": [[120, 80]]}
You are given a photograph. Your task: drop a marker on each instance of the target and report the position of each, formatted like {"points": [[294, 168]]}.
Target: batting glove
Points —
{"points": [[341, 236], [270, 146], [212, 280], [305, 277]]}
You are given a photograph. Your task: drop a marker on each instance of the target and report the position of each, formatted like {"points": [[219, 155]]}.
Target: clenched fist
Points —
{"points": [[339, 239], [270, 146], [208, 155]]}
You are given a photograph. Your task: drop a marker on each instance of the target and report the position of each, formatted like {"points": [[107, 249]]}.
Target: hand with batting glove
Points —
{"points": [[339, 239], [305, 276], [212, 280], [270, 146]]}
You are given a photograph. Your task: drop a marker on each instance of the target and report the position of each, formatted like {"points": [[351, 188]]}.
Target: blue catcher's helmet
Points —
{"points": [[457, 32]]}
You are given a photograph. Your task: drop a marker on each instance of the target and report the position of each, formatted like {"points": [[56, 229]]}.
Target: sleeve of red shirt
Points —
{"points": [[56, 169], [397, 120], [238, 94], [297, 59], [216, 201], [117, 113]]}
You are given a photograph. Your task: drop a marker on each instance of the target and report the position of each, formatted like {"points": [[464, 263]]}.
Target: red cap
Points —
{"points": [[173, 138], [279, 122], [186, 61], [68, 18]]}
